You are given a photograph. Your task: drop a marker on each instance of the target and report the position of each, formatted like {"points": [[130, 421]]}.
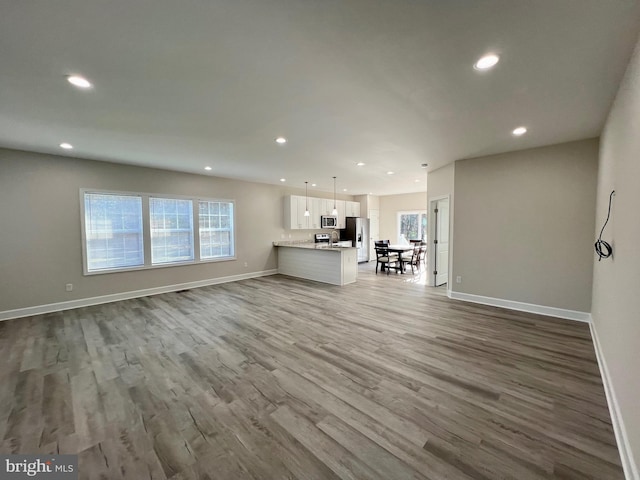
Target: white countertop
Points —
{"points": [[311, 246]]}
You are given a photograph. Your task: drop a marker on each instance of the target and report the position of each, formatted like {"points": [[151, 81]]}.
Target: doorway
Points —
{"points": [[439, 241]]}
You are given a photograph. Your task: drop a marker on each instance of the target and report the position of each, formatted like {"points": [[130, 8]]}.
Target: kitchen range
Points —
{"points": [[331, 240]]}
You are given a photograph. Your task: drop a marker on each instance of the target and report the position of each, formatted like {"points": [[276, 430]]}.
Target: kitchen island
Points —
{"points": [[337, 265]]}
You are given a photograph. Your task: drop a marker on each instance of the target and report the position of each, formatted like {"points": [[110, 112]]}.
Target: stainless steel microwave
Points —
{"points": [[329, 221]]}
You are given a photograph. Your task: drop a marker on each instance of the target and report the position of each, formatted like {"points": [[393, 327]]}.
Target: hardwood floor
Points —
{"points": [[279, 378]]}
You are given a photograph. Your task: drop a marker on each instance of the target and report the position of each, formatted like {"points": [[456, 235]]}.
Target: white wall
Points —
{"points": [[41, 238], [523, 225], [367, 203], [390, 205], [440, 182], [616, 281]]}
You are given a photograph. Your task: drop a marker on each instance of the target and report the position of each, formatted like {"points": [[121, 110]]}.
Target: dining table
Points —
{"points": [[400, 249]]}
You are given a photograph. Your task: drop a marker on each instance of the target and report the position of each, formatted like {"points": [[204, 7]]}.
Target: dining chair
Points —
{"points": [[414, 259], [422, 260], [388, 261]]}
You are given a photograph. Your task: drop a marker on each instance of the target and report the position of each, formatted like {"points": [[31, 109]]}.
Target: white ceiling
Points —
{"points": [[184, 84]]}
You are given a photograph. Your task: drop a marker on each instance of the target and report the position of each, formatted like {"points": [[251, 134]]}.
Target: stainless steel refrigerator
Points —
{"points": [[357, 230]]}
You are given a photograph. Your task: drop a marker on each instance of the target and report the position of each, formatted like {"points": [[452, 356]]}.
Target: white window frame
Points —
{"points": [[409, 212], [192, 230], [232, 230], [86, 240], [146, 231]]}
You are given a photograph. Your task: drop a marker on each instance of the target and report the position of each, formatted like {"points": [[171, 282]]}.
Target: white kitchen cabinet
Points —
{"points": [[326, 205], [302, 206], [294, 219], [295, 205], [352, 209], [316, 207], [290, 215], [341, 207]]}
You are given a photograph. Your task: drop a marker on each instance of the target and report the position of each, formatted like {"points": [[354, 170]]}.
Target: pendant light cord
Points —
{"points": [[603, 249], [335, 210], [306, 200], [334, 193]]}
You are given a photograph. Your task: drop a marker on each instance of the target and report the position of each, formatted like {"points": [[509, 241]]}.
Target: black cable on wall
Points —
{"points": [[603, 249]]}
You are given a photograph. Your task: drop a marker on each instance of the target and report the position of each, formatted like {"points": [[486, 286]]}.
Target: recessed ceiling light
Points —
{"points": [[79, 81], [66, 146], [486, 62], [344, 189], [281, 140], [207, 168], [283, 179], [360, 164], [314, 185], [390, 173], [417, 180], [519, 131]]}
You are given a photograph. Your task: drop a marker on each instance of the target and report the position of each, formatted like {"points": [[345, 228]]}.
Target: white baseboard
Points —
{"points": [[86, 302], [521, 306], [626, 456]]}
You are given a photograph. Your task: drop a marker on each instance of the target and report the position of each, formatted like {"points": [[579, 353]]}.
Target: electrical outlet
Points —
{"points": [[246, 264], [459, 279], [69, 287]]}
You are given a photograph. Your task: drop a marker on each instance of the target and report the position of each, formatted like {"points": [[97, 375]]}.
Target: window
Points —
{"points": [[412, 225], [171, 230], [130, 231], [216, 229], [113, 231]]}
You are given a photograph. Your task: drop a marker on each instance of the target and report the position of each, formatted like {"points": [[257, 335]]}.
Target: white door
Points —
{"points": [[441, 242]]}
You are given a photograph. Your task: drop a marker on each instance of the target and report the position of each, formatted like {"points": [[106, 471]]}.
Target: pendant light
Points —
{"points": [[335, 210], [306, 195]]}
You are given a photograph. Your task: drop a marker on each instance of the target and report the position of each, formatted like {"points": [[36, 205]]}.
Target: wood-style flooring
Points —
{"points": [[280, 378]]}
